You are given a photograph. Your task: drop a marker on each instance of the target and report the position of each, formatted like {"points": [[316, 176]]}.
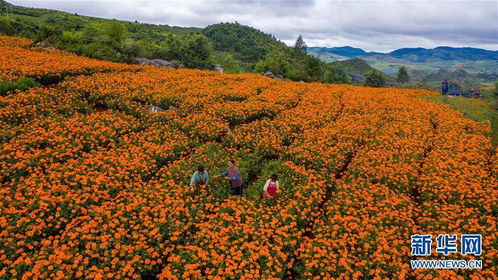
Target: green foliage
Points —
{"points": [[101, 50], [300, 48], [245, 43], [131, 49], [48, 33], [295, 64], [230, 65], [354, 65], [169, 48], [197, 52], [313, 69], [279, 63], [20, 84], [374, 78], [64, 21], [115, 33], [402, 76], [6, 27], [71, 37], [91, 33], [337, 75]]}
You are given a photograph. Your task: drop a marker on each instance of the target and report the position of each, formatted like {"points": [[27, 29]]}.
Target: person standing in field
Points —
{"points": [[199, 178], [444, 88], [271, 187], [232, 173]]}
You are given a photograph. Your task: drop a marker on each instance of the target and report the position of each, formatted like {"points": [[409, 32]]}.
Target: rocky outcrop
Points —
{"points": [[156, 109], [269, 74], [218, 68], [154, 62], [44, 45]]}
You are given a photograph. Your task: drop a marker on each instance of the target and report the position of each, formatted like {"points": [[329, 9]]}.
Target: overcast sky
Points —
{"points": [[371, 25]]}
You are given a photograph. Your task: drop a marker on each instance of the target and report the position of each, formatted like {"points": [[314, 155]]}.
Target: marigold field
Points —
{"points": [[95, 186]]}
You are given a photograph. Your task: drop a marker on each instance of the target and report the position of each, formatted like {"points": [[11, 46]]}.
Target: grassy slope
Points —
{"points": [[482, 110]]}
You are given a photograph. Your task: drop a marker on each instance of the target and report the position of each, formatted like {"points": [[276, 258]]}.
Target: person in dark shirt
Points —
{"points": [[444, 88], [233, 175]]}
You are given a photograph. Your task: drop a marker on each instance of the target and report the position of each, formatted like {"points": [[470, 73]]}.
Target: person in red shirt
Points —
{"points": [[271, 187]]}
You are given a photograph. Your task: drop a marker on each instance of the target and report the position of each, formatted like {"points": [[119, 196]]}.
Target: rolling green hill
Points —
{"points": [[246, 43], [469, 59], [354, 65]]}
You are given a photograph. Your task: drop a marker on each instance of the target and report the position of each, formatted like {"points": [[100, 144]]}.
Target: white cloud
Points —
{"points": [[372, 25]]}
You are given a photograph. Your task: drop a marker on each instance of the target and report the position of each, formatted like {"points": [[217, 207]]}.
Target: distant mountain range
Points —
{"points": [[470, 59], [419, 55]]}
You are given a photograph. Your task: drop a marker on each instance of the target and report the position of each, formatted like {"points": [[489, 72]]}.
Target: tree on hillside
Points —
{"points": [[300, 48], [230, 65], [48, 33], [299, 58], [197, 52], [131, 49], [278, 63], [402, 76], [170, 48], [101, 50], [115, 32], [101, 42], [90, 33], [313, 69], [336, 75], [374, 78]]}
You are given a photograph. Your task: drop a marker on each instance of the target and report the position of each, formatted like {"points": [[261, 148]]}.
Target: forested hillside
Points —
{"points": [[237, 48], [354, 65], [246, 43]]}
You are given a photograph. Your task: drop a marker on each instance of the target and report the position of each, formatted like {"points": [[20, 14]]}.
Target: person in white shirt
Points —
{"points": [[199, 179]]}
